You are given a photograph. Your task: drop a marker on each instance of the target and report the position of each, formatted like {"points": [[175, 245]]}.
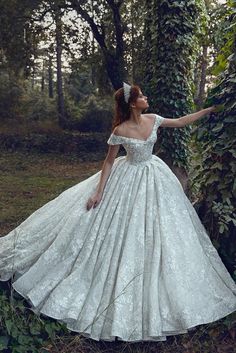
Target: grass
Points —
{"points": [[27, 181]]}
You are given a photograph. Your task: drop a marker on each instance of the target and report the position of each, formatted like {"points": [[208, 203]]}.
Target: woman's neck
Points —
{"points": [[135, 117]]}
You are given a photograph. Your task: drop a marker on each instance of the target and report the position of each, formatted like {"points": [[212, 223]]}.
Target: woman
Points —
{"points": [[132, 123], [139, 266]]}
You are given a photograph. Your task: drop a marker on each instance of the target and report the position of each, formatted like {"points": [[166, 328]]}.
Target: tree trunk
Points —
{"points": [[114, 60], [132, 39], [115, 70], [33, 78], [43, 78], [170, 73], [201, 96], [50, 77], [60, 95]]}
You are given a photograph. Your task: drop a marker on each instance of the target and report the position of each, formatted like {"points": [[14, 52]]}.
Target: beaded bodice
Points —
{"points": [[138, 150]]}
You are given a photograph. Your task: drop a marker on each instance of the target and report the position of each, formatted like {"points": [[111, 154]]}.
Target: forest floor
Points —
{"points": [[28, 181]]}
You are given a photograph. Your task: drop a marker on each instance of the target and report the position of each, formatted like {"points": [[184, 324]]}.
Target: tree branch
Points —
{"points": [[119, 29], [94, 27], [119, 3]]}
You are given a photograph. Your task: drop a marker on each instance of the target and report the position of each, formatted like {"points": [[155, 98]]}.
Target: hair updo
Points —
{"points": [[122, 109]]}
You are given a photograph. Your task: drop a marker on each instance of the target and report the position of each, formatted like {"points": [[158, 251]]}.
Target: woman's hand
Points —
{"points": [[211, 109], [94, 200]]}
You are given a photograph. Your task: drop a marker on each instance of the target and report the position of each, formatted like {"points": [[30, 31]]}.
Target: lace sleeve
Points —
{"points": [[114, 140], [159, 119]]}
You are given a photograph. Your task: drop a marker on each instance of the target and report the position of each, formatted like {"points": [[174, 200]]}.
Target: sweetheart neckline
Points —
{"points": [[133, 138]]}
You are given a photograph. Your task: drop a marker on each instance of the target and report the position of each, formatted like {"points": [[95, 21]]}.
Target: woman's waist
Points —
{"points": [[137, 160]]}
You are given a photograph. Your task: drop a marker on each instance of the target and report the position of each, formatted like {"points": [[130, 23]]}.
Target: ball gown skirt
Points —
{"points": [[140, 266]]}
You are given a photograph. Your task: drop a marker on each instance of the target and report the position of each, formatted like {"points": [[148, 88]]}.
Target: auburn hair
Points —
{"points": [[121, 108]]}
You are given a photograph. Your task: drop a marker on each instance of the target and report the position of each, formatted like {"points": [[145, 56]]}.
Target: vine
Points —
{"points": [[217, 146], [170, 60], [21, 330]]}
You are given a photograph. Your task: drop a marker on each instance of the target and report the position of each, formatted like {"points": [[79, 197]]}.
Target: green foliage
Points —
{"points": [[88, 77], [224, 36], [93, 114], [16, 40], [21, 330], [18, 100], [64, 142], [36, 106], [170, 53], [133, 13], [217, 168], [79, 83], [11, 91]]}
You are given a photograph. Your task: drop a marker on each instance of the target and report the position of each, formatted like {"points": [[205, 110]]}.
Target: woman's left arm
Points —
{"points": [[187, 119]]}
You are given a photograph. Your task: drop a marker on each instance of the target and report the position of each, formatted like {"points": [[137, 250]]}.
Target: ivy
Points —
{"points": [[21, 330], [170, 53], [173, 36], [217, 147]]}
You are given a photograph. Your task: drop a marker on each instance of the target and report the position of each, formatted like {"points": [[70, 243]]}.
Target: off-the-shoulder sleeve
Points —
{"points": [[159, 119], [114, 140]]}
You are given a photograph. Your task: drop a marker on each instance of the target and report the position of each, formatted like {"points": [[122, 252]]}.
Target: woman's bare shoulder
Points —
{"points": [[149, 115], [118, 130]]}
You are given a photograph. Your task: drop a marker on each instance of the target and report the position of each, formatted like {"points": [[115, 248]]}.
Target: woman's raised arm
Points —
{"points": [[187, 119]]}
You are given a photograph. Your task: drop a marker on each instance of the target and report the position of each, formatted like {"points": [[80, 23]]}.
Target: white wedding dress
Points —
{"points": [[140, 266]]}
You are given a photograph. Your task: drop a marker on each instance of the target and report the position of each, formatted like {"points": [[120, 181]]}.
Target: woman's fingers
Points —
{"points": [[89, 204], [92, 203]]}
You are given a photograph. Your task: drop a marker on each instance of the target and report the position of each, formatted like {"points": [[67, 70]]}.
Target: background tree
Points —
{"points": [[170, 56], [210, 45], [114, 52], [216, 141], [18, 40]]}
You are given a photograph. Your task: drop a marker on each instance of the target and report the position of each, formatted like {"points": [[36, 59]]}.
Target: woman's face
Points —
{"points": [[141, 102]]}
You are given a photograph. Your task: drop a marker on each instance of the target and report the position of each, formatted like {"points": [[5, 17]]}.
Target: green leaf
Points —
{"points": [[234, 185], [4, 342], [49, 329], [219, 108], [35, 330], [9, 325], [222, 228], [212, 178], [24, 340], [218, 127], [217, 165]]}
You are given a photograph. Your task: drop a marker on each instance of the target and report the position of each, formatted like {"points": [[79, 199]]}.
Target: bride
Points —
{"points": [[130, 103], [122, 254]]}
